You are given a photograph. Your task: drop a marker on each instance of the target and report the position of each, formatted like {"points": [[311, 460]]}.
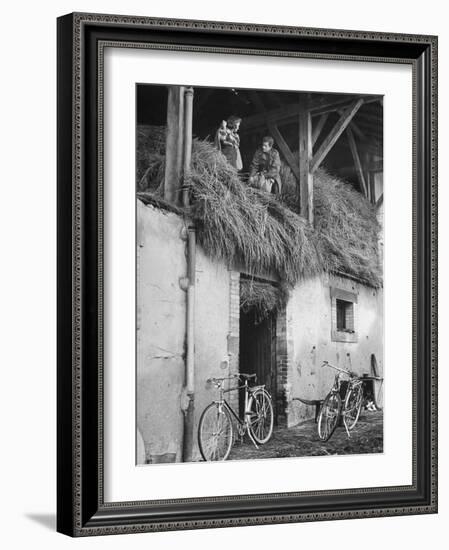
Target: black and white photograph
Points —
{"points": [[259, 267], [220, 331]]}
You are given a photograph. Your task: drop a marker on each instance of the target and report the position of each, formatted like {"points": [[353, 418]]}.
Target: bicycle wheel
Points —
{"points": [[215, 437], [353, 405], [261, 416], [329, 415]]}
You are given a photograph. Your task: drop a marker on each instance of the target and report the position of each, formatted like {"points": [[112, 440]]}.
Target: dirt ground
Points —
{"points": [[302, 440]]}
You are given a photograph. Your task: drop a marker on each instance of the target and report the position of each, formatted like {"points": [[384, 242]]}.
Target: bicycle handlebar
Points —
{"points": [[223, 378], [344, 371], [232, 377]]}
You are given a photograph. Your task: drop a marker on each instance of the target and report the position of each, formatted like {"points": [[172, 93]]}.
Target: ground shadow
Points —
{"points": [[47, 520]]}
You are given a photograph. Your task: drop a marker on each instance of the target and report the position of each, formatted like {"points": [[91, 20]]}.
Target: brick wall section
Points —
{"points": [[234, 332], [282, 365]]}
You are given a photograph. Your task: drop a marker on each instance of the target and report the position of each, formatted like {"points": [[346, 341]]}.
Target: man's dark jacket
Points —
{"points": [[270, 162]]}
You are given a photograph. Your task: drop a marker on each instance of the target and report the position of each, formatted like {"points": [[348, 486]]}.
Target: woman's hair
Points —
{"points": [[232, 120]]}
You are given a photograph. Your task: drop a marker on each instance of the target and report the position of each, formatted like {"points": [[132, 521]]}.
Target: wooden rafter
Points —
{"points": [[289, 113], [357, 131], [335, 133], [285, 149], [341, 105], [319, 127], [357, 163], [260, 119]]}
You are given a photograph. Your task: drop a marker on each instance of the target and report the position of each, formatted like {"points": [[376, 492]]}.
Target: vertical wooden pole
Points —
{"points": [[305, 159], [188, 120], [174, 144]]}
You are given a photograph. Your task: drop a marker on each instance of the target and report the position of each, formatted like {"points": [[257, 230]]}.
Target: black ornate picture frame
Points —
{"points": [[81, 508]]}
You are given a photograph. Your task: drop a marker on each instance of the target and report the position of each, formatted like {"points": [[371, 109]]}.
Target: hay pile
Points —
{"points": [[345, 223], [261, 297], [347, 229], [237, 223], [150, 157]]}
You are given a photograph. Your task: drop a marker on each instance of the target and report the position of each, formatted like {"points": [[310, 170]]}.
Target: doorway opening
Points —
{"points": [[257, 350]]}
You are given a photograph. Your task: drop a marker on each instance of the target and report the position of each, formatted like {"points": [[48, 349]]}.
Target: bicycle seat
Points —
{"points": [[248, 376]]}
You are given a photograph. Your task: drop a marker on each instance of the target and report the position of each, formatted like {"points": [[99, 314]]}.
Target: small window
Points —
{"points": [[343, 314]]}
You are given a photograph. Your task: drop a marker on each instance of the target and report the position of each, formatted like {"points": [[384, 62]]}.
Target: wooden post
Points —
{"points": [[188, 118], [305, 159], [174, 144]]}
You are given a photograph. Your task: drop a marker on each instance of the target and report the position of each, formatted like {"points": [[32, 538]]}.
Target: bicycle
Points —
{"points": [[333, 408], [216, 426]]}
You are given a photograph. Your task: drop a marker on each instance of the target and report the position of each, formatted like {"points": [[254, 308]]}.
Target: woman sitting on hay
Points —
{"points": [[265, 168]]}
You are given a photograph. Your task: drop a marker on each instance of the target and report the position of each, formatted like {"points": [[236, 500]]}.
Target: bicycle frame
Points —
{"points": [[353, 378], [353, 382], [221, 402]]}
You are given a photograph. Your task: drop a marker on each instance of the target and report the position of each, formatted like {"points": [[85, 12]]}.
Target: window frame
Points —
{"points": [[345, 335]]}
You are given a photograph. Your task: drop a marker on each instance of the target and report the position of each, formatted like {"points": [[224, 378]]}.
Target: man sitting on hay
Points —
{"points": [[265, 168]]}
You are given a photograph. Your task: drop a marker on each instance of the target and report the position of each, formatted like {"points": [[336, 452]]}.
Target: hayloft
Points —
{"points": [[239, 223], [233, 279]]}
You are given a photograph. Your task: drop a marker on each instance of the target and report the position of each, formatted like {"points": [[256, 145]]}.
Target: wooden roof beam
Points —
{"points": [[276, 115], [357, 163], [355, 127], [285, 149], [357, 131], [335, 133], [289, 113], [319, 127], [342, 104]]}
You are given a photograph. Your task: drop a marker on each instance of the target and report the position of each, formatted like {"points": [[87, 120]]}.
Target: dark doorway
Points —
{"points": [[257, 353]]}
